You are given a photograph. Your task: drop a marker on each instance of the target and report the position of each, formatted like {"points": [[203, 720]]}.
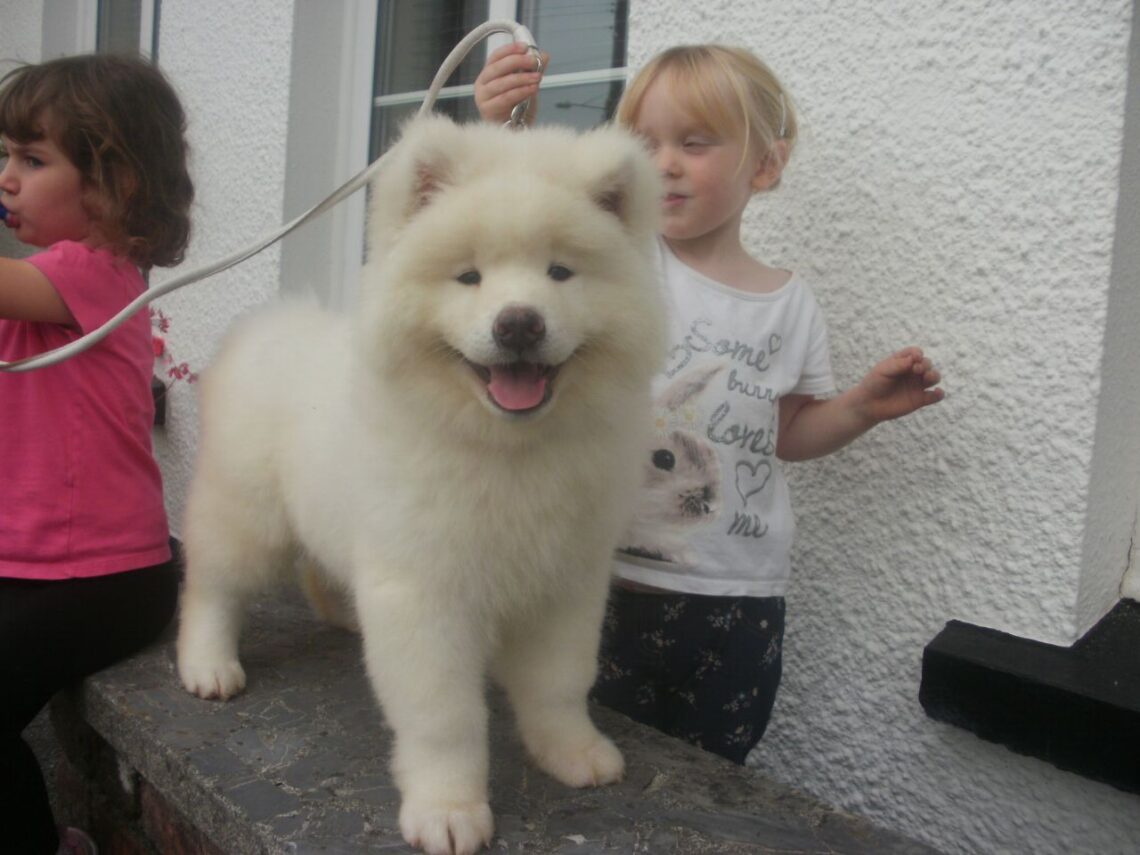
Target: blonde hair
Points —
{"points": [[727, 90]]}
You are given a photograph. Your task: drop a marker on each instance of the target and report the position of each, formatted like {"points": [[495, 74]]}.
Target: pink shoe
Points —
{"points": [[72, 841]]}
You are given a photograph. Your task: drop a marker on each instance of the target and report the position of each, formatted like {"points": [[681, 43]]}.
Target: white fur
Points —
{"points": [[472, 541]]}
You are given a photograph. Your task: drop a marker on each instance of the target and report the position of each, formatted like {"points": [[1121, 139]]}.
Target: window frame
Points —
{"points": [[71, 27], [500, 10], [323, 258], [148, 26]]}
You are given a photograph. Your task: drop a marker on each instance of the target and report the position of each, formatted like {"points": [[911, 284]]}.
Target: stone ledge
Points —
{"points": [[297, 764], [1075, 707]]}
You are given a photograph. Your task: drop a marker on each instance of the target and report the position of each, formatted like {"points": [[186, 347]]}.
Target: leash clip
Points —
{"points": [[518, 113]]}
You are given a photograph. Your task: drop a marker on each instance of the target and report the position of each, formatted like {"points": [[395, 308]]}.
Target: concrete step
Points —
{"points": [[298, 764]]}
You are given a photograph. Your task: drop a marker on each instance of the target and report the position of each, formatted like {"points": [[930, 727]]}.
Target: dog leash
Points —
{"points": [[446, 69]]}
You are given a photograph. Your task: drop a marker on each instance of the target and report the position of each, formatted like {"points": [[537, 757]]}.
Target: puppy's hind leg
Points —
{"points": [[232, 550], [547, 667], [330, 601]]}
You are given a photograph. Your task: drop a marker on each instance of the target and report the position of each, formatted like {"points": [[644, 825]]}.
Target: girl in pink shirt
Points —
{"points": [[93, 173]]}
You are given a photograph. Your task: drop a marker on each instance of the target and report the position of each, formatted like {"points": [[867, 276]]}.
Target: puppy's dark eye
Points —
{"points": [[559, 273], [663, 459], [469, 277]]}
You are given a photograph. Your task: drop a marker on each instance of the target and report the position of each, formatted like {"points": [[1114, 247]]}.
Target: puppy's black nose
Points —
{"points": [[518, 328]]}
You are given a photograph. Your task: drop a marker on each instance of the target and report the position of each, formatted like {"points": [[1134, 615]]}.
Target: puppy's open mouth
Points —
{"points": [[517, 387]]}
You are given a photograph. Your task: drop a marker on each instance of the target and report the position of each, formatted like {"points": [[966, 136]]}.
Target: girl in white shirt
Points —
{"points": [[694, 629]]}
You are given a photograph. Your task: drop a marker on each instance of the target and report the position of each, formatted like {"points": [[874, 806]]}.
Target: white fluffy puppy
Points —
{"points": [[460, 457]]}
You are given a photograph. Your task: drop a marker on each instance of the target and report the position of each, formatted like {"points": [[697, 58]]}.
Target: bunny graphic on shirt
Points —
{"points": [[682, 476]]}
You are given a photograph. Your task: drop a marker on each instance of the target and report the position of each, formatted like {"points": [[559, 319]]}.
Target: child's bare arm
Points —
{"points": [[27, 295], [508, 78], [897, 386]]}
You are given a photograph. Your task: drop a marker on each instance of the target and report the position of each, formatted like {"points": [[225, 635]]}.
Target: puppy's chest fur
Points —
{"points": [[518, 523]]}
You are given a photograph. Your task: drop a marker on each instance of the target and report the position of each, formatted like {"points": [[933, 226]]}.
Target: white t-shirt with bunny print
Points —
{"points": [[715, 516]]}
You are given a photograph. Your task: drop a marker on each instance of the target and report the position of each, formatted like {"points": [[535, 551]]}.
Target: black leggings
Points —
{"points": [[53, 634], [705, 669]]}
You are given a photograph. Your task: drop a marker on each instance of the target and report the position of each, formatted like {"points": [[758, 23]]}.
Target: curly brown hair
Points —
{"points": [[119, 121]]}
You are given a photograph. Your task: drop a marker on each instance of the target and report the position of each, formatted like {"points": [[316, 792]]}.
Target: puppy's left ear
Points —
{"points": [[622, 179]]}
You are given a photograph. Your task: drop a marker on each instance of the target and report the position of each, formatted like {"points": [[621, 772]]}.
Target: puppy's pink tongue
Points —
{"points": [[519, 386]]}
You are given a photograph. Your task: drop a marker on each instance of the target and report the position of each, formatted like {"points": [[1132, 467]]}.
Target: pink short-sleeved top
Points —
{"points": [[80, 491]]}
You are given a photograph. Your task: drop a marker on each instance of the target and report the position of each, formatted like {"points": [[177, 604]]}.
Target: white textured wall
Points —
{"points": [[21, 29], [957, 188], [230, 64], [1117, 451]]}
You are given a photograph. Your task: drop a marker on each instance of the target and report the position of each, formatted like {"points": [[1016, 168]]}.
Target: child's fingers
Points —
{"points": [[497, 96], [932, 396], [922, 371], [494, 81], [522, 63], [910, 359], [508, 78], [506, 50], [505, 94], [516, 56], [500, 107], [511, 59], [897, 364], [911, 352], [931, 376], [927, 374]]}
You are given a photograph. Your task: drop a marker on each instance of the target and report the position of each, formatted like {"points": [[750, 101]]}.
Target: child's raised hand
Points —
{"points": [[508, 78], [900, 384]]}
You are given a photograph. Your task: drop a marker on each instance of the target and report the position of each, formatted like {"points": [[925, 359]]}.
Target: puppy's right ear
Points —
{"points": [[420, 165], [432, 174], [423, 164]]}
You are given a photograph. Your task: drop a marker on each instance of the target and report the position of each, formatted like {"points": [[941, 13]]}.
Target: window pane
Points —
{"points": [[582, 107], [119, 22], [412, 41], [579, 35], [414, 38]]}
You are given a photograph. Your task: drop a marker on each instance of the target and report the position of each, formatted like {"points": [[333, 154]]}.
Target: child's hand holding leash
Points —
{"points": [[509, 78]]}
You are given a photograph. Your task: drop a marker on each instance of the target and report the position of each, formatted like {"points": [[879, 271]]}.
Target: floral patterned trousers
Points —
{"points": [[705, 669]]}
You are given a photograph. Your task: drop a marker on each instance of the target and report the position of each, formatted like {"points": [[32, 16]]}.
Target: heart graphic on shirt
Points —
{"points": [[751, 478]]}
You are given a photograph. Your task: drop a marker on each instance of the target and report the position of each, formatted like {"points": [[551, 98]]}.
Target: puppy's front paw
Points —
{"points": [[209, 679], [590, 765], [446, 829]]}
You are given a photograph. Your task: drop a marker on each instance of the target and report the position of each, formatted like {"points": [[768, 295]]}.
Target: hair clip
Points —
{"points": [[783, 116]]}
